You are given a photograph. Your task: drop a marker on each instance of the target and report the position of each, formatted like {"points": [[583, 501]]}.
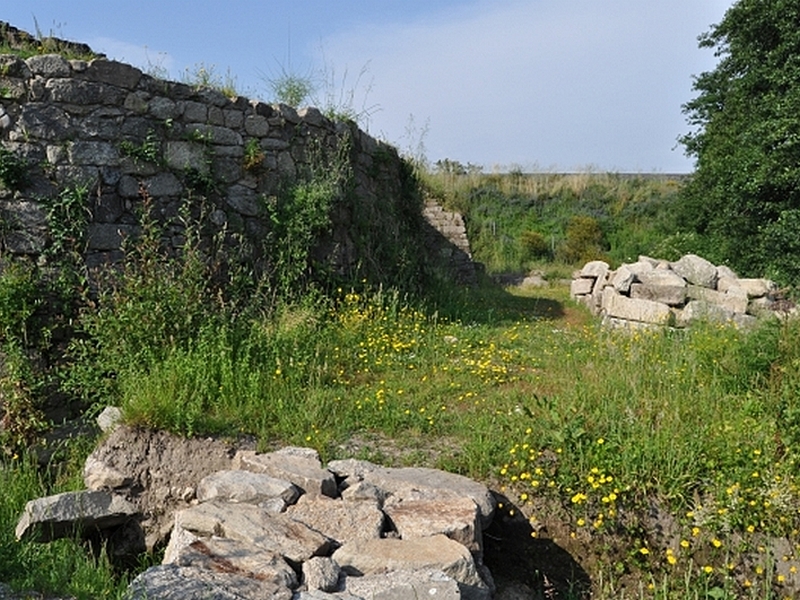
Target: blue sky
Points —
{"points": [[541, 84]]}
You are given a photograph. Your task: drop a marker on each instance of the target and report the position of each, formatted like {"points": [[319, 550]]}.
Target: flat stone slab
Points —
{"points": [[229, 556], [405, 585], [173, 582], [339, 520], [64, 515], [419, 483], [457, 518], [245, 486], [253, 525], [304, 471], [437, 553], [644, 311]]}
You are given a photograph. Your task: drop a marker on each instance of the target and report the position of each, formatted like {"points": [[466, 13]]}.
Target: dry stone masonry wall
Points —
{"points": [[652, 292], [130, 137]]}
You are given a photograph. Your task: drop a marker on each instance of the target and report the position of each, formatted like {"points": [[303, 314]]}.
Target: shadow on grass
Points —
{"points": [[522, 564], [490, 303]]}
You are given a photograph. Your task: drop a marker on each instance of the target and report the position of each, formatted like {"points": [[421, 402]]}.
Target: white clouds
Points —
{"points": [[145, 58], [548, 82]]}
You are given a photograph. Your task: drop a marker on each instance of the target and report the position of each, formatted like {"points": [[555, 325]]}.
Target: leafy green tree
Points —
{"points": [[746, 139]]}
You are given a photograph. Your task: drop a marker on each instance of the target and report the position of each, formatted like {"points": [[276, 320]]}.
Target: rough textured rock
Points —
{"points": [[321, 573], [173, 582], [339, 520], [696, 270], [231, 556], [253, 525], [457, 518], [71, 513], [652, 292], [405, 585], [437, 552], [420, 483], [244, 486], [305, 472], [618, 306]]}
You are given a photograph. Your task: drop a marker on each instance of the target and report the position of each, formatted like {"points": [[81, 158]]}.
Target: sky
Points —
{"points": [[537, 85]]}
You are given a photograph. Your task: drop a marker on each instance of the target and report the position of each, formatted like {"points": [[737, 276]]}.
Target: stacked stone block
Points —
{"points": [[652, 292]]}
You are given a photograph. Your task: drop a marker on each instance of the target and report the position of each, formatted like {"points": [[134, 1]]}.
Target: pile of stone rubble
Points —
{"points": [[280, 525], [658, 292]]}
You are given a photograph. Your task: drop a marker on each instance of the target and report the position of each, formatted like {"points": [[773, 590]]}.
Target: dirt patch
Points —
{"points": [[161, 470]]}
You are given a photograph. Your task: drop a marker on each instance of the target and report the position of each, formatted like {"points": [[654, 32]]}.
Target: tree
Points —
{"points": [[746, 184]]}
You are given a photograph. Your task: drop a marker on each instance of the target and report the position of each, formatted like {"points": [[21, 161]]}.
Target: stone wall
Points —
{"points": [[131, 138], [653, 292]]}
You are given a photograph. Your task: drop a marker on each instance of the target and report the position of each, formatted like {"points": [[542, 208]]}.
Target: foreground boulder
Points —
{"points": [[73, 513]]}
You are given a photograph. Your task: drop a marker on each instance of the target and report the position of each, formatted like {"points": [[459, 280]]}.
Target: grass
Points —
{"points": [[664, 461], [584, 428]]}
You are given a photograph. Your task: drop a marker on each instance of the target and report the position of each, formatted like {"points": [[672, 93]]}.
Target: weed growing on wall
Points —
{"points": [[302, 211], [148, 151], [13, 170], [67, 219]]}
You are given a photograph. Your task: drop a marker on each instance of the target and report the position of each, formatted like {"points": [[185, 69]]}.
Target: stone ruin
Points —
{"points": [[241, 524], [652, 292]]}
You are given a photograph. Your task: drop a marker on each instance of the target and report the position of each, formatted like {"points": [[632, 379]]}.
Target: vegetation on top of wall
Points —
{"points": [[25, 45]]}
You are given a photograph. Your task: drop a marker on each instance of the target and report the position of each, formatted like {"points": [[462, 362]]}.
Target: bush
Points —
{"points": [[584, 240], [534, 245]]}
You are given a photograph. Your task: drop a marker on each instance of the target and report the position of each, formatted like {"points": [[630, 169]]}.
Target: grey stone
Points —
{"points": [[702, 310], [215, 134], [98, 475], [109, 419], [164, 184], [163, 108], [84, 93], [645, 311], [671, 295], [244, 486], [173, 582], [405, 585], [361, 491], [581, 287], [244, 201], [108, 236], [661, 277], [727, 272], [321, 573], [217, 553], [49, 65], [435, 553], [114, 73], [250, 524], [756, 288], [256, 125], [457, 518], [622, 279], [274, 144], [45, 121], [66, 514], [13, 66], [93, 153], [306, 473], [421, 483], [339, 520], [195, 112], [595, 268], [186, 155], [696, 270]]}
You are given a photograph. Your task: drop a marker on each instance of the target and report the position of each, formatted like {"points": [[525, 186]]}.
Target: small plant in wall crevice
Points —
{"points": [[13, 170]]}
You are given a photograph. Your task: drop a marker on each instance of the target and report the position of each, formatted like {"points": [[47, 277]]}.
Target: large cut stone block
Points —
{"points": [[645, 311]]}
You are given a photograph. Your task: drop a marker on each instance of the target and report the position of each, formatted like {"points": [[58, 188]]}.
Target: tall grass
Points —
{"points": [[632, 214]]}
